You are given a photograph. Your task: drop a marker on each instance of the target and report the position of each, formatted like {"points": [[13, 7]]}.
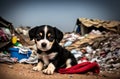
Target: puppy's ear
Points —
{"points": [[58, 35], [32, 33]]}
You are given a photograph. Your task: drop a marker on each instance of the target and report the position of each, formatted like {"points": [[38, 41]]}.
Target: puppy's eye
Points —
{"points": [[49, 34], [50, 37], [38, 37], [40, 34]]}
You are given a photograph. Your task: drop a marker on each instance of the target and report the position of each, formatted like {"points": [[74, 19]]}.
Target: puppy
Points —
{"points": [[51, 55]]}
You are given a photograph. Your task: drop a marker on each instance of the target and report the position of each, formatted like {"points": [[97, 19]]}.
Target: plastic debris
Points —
{"points": [[77, 54], [30, 60], [20, 52], [68, 43], [5, 58]]}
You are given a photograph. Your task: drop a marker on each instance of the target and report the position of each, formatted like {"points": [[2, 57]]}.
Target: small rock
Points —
{"points": [[70, 76], [10, 66]]}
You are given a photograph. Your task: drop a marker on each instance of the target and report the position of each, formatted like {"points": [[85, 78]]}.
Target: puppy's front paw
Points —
{"points": [[37, 68], [50, 69]]}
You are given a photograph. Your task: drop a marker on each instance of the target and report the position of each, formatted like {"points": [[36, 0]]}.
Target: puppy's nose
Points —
{"points": [[44, 45]]}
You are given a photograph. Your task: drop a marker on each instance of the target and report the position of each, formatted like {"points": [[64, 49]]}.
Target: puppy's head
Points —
{"points": [[45, 36]]}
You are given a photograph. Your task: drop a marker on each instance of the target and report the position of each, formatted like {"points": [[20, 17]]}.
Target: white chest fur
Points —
{"points": [[46, 57]]}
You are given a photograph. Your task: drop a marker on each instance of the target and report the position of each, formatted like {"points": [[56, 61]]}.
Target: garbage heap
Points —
{"points": [[6, 30], [103, 48], [12, 43], [99, 42]]}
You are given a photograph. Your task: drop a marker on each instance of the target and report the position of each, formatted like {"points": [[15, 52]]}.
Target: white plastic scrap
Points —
{"points": [[76, 53], [23, 50], [89, 49], [68, 43], [30, 60]]}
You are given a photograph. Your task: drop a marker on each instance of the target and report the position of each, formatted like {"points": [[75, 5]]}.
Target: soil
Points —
{"points": [[24, 71]]}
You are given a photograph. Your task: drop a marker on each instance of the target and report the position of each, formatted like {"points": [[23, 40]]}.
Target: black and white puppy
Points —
{"points": [[51, 55]]}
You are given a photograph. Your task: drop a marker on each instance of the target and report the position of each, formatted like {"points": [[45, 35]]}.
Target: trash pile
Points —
{"points": [[101, 47], [6, 30], [17, 52], [13, 45]]}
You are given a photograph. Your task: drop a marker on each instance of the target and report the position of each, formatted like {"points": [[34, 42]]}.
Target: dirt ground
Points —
{"points": [[24, 71]]}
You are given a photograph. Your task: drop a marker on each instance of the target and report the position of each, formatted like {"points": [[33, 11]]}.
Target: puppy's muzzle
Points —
{"points": [[43, 45]]}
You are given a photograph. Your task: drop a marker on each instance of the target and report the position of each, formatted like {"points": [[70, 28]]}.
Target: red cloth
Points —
{"points": [[81, 68]]}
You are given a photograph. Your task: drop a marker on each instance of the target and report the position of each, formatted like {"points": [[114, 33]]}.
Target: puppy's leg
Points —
{"points": [[38, 67], [50, 69], [68, 63]]}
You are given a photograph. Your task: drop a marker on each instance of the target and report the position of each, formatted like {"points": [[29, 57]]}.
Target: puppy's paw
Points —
{"points": [[37, 68], [68, 63], [49, 70]]}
